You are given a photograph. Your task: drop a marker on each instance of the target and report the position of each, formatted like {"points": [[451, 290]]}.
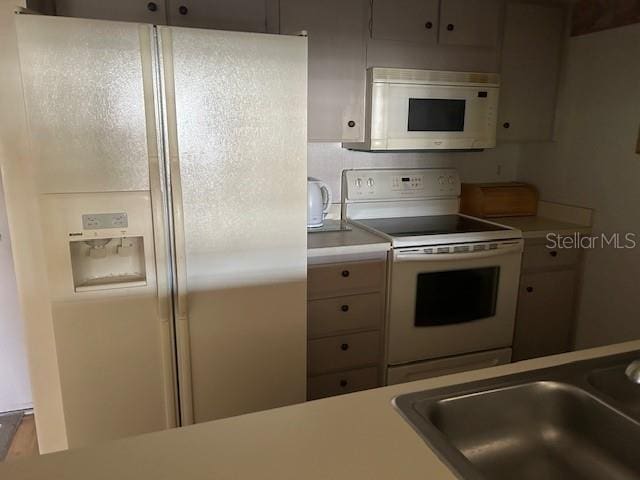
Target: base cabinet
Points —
{"points": [[546, 302], [345, 313]]}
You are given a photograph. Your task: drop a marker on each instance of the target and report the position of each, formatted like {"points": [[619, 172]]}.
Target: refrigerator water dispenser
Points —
{"points": [[106, 263]]}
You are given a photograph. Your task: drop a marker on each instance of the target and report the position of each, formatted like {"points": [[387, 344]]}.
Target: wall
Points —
{"points": [[15, 391], [594, 164], [20, 197], [327, 160]]}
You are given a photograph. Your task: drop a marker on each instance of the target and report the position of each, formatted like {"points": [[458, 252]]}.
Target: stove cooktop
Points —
{"points": [[429, 225], [437, 230]]}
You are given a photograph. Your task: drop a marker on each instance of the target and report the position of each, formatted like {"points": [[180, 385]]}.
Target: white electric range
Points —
{"points": [[453, 279]]}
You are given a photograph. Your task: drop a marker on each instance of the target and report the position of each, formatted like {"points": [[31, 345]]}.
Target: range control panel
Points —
{"points": [[99, 221], [400, 183]]}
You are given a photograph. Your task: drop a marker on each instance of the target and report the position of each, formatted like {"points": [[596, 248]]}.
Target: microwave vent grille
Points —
{"points": [[403, 75]]}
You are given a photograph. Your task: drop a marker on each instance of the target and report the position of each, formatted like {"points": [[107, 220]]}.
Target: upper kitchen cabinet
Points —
{"points": [[405, 20], [336, 35], [122, 10], [461, 35], [474, 23], [239, 15], [532, 47]]}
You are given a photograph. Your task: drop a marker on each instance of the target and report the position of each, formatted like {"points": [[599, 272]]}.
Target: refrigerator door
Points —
{"points": [[100, 348], [236, 121]]}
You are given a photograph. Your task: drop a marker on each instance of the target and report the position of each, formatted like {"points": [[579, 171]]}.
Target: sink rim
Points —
{"points": [[573, 374]]}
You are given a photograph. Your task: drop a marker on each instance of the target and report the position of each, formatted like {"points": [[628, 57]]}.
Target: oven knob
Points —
{"points": [[370, 182], [451, 180], [441, 180], [358, 182]]}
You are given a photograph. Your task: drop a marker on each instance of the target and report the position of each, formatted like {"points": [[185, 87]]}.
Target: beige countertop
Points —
{"points": [[356, 436], [539, 227], [354, 241]]}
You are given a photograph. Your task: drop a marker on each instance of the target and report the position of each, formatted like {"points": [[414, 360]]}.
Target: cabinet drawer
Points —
{"points": [[343, 352], [342, 382], [345, 278], [333, 316], [539, 256]]}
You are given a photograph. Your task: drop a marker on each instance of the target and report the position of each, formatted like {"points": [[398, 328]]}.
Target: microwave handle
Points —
{"points": [[400, 256]]}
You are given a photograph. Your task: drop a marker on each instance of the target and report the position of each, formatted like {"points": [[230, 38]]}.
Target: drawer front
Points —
{"points": [[539, 256], [342, 382], [334, 316], [343, 352], [345, 278]]}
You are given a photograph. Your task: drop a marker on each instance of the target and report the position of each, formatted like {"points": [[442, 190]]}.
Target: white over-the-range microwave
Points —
{"points": [[429, 110]]}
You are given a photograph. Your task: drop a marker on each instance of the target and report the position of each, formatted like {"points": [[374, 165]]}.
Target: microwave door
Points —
{"points": [[438, 117]]}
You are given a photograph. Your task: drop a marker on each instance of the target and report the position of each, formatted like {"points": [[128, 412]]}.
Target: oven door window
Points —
{"points": [[436, 115], [456, 296]]}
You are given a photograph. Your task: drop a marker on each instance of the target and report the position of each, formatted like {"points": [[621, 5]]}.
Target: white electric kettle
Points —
{"points": [[318, 201]]}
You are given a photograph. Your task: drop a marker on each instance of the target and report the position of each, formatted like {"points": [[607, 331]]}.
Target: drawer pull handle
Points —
{"points": [[450, 27], [345, 273], [182, 10], [529, 289], [344, 347], [344, 308], [553, 253], [343, 383], [428, 25]]}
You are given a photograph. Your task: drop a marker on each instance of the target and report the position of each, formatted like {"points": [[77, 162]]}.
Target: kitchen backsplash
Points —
{"points": [[327, 160]]}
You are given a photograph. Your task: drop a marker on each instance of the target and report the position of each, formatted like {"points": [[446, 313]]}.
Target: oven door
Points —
{"points": [[437, 117], [444, 304]]}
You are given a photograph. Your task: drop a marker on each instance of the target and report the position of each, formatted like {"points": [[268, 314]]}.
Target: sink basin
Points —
{"points": [[548, 424], [613, 383]]}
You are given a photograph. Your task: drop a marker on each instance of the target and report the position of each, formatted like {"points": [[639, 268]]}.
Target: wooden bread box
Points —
{"points": [[512, 199]]}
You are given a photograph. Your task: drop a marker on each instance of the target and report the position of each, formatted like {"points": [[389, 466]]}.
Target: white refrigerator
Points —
{"points": [[160, 218]]}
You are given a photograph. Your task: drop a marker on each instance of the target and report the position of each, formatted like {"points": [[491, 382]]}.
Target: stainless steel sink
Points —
{"points": [[614, 383], [574, 421]]}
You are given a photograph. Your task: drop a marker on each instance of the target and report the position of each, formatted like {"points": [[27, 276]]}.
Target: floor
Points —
{"points": [[25, 442]]}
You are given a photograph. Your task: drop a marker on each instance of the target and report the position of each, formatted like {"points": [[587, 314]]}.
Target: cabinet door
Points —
{"points": [[405, 20], [153, 11], [237, 15], [545, 314], [336, 64], [473, 23], [532, 45]]}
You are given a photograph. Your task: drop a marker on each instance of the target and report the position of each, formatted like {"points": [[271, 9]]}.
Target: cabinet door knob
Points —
{"points": [[344, 347], [343, 383], [345, 273], [428, 25], [553, 253], [529, 289], [152, 6], [344, 308], [351, 123], [450, 27], [506, 125], [183, 10]]}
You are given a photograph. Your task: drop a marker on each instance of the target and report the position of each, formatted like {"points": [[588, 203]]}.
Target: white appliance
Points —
{"points": [[318, 202], [429, 110], [174, 259], [453, 279]]}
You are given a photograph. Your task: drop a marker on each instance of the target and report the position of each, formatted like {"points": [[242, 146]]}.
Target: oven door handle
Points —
{"points": [[400, 256]]}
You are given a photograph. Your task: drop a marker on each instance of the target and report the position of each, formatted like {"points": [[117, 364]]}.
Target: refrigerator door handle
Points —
{"points": [[176, 224]]}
